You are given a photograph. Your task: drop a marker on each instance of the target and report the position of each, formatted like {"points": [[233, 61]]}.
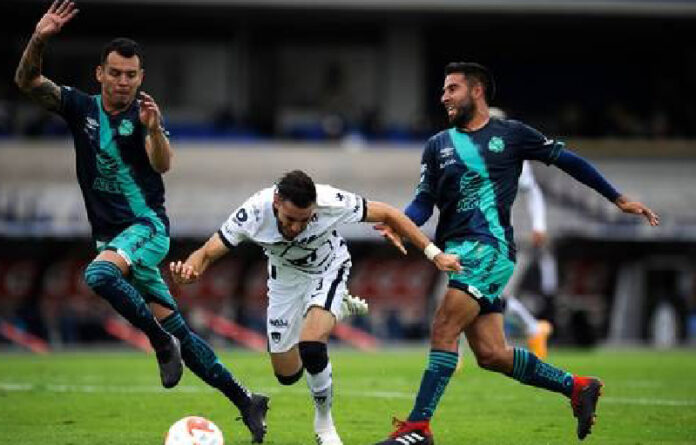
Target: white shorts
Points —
{"points": [[291, 294]]}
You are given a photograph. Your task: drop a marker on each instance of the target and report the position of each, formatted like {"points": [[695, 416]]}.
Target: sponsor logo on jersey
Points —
{"points": [[496, 144], [278, 323], [125, 128]]}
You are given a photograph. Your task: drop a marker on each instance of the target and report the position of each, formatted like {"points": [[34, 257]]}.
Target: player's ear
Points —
{"points": [[99, 73], [477, 91]]}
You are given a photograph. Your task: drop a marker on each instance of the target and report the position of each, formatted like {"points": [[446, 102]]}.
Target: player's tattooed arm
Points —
{"points": [[28, 75], [29, 79]]}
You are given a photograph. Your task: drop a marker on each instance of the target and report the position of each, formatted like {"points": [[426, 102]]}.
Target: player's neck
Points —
{"points": [[112, 109], [479, 121]]}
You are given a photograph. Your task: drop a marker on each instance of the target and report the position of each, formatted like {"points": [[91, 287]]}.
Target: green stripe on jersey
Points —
{"points": [[470, 156], [116, 171]]}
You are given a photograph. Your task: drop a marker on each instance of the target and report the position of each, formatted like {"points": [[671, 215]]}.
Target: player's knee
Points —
{"points": [[101, 273], [489, 359], [314, 356], [290, 379]]}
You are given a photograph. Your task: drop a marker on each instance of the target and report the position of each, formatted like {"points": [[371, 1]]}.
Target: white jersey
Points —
{"points": [[316, 249], [535, 199]]}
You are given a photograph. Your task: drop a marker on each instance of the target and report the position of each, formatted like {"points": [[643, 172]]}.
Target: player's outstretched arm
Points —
{"points": [[191, 270], [380, 212], [28, 76], [586, 173]]}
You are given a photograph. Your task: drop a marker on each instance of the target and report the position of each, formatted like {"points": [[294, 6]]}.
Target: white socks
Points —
{"points": [[517, 309], [320, 385]]}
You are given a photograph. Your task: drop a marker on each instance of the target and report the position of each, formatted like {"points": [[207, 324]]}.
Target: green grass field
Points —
{"points": [[114, 398]]}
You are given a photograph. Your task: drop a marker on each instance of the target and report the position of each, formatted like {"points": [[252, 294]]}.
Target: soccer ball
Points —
{"points": [[194, 430]]}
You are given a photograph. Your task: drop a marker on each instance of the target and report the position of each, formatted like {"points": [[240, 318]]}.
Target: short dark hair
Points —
{"points": [[123, 46], [297, 187], [477, 72]]}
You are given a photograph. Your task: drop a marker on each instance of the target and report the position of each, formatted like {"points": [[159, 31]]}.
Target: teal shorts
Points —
{"points": [[144, 246], [485, 272]]}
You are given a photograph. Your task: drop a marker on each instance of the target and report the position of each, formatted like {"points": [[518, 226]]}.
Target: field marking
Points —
{"points": [[189, 389]]}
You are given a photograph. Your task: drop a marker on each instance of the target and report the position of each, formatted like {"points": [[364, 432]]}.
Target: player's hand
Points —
{"points": [[447, 262], [538, 238], [150, 114], [55, 18], [394, 238], [183, 273], [637, 208]]}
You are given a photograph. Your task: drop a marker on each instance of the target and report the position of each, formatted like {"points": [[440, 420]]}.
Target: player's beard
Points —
{"points": [[465, 113]]}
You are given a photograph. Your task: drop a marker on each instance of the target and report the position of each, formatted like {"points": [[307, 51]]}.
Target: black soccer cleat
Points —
{"points": [[254, 417], [410, 433], [170, 365], [586, 392]]}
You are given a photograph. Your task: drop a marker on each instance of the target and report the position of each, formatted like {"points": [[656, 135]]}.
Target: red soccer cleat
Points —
{"points": [[586, 392], [410, 433]]}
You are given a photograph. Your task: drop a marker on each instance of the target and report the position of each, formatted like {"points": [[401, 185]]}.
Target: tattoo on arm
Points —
{"points": [[46, 93]]}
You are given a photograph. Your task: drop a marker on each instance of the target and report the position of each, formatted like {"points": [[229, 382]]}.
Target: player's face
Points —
{"points": [[120, 78], [457, 99], [292, 220]]}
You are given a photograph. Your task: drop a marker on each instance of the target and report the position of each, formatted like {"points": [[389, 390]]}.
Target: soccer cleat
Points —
{"points": [[170, 365], [410, 433], [583, 400], [352, 305], [254, 417], [329, 437], [538, 343]]}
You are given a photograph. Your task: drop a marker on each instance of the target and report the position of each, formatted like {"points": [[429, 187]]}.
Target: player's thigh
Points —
{"points": [[115, 258], [286, 363], [456, 311], [318, 324], [326, 294], [284, 314]]}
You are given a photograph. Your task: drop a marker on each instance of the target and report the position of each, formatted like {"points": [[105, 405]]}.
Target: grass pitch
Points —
{"points": [[114, 398]]}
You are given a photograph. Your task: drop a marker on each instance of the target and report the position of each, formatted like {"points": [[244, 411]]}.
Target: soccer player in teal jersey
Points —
{"points": [[121, 152], [470, 172]]}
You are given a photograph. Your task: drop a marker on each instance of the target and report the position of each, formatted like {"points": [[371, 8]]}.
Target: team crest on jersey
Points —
{"points": [[126, 128], [496, 144]]}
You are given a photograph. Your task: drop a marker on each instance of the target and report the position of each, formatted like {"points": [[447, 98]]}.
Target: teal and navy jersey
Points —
{"points": [[472, 178], [119, 186]]}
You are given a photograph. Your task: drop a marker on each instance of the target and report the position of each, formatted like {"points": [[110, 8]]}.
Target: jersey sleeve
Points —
{"points": [[345, 207], [73, 103], [533, 145], [240, 225], [427, 184]]}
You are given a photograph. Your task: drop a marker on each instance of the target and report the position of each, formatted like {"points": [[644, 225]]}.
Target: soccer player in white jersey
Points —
{"points": [[536, 331], [308, 262]]}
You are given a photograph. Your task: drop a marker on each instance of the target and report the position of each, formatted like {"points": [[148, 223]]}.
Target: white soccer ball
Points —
{"points": [[194, 430]]}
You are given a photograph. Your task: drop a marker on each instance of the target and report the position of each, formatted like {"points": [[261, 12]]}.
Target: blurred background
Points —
{"points": [[348, 90]]}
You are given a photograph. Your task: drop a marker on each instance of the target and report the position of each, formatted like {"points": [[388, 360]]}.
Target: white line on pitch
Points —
{"points": [[140, 389]]}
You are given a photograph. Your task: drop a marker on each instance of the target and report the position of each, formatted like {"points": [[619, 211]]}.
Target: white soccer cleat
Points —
{"points": [[329, 437], [352, 305]]}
